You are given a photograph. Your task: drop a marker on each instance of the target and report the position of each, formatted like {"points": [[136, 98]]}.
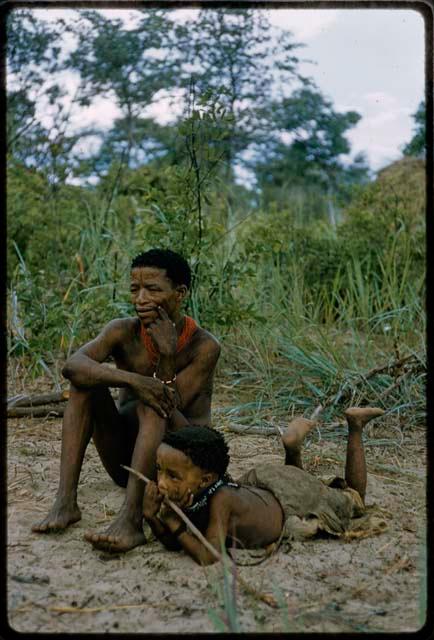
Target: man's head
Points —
{"points": [[159, 277], [189, 460]]}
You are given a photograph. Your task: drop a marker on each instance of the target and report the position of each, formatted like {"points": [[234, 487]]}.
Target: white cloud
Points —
{"points": [[381, 134], [380, 98], [305, 24], [167, 106], [183, 15], [101, 113], [88, 145]]}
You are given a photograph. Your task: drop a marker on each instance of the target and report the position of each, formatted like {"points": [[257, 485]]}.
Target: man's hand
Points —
{"points": [[152, 500], [154, 393], [163, 333]]}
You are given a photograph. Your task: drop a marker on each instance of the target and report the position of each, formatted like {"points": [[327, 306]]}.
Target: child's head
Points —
{"points": [[188, 460]]}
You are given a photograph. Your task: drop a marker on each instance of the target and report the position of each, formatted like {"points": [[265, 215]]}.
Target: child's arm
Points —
{"points": [[220, 512], [152, 500], [163, 533]]}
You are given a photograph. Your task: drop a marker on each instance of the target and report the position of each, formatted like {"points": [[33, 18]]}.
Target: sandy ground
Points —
{"points": [[58, 583]]}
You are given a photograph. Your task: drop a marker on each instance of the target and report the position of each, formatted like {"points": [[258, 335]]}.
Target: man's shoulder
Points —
{"points": [[207, 341], [120, 327]]}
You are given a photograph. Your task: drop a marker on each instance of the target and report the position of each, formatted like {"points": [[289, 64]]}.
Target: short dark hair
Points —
{"points": [[177, 267], [205, 446]]}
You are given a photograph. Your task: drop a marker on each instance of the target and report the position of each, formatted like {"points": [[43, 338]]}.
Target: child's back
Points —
{"points": [[263, 504]]}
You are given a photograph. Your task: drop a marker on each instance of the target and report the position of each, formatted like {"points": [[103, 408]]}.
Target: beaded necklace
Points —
{"points": [[189, 328]]}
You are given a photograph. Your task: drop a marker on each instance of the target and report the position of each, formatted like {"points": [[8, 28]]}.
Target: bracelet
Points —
{"points": [[181, 529], [164, 381]]}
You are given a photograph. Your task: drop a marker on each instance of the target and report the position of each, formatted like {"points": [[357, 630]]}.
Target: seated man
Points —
{"points": [[267, 502], [164, 367]]}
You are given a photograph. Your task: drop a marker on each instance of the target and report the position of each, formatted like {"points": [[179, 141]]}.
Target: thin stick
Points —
{"points": [[268, 599], [112, 607]]}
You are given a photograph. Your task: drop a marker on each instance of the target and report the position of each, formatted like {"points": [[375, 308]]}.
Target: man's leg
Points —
{"points": [[355, 464], [293, 438], [126, 532], [79, 422]]}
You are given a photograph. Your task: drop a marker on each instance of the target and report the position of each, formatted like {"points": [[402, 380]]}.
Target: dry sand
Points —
{"points": [[58, 583]]}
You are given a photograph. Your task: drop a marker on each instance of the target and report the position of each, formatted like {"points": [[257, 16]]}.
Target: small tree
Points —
{"points": [[417, 145]]}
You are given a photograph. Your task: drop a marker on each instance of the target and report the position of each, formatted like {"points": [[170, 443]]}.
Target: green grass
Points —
{"points": [[287, 345]]}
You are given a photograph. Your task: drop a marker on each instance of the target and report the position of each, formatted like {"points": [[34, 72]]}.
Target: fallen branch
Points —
{"points": [[344, 393], [44, 410], [264, 597], [254, 431], [36, 400], [269, 431], [396, 364]]}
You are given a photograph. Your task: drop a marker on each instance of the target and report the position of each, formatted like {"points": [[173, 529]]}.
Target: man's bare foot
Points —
{"points": [[295, 433], [124, 534], [358, 417], [61, 515]]}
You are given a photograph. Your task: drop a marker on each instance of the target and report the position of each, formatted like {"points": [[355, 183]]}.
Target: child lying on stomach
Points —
{"points": [[265, 503]]}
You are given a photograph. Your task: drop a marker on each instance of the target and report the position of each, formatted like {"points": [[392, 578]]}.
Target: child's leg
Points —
{"points": [[293, 437], [355, 464]]}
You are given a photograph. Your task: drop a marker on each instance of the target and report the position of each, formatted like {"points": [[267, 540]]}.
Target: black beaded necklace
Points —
{"points": [[202, 498]]}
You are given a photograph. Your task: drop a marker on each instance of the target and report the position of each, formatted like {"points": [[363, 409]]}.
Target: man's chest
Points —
{"points": [[136, 357]]}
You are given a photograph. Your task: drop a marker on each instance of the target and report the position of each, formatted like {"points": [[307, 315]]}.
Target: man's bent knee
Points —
{"points": [[147, 413], [95, 396]]}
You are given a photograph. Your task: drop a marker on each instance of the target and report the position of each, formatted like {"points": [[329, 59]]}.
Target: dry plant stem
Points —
{"points": [[268, 599], [113, 607]]}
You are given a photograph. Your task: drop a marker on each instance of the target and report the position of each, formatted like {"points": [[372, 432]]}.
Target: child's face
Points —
{"points": [[177, 477]]}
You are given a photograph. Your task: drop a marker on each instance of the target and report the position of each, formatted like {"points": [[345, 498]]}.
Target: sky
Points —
{"points": [[367, 60]]}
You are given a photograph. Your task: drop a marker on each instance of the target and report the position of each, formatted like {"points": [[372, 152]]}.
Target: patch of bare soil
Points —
{"points": [[58, 583]]}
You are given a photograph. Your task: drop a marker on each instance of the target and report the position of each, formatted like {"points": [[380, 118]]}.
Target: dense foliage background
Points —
{"points": [[310, 272]]}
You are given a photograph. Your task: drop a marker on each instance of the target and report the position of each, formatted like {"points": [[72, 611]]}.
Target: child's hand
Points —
{"points": [[151, 500], [170, 519]]}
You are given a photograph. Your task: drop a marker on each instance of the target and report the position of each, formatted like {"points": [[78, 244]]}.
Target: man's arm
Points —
{"points": [[86, 368], [196, 375]]}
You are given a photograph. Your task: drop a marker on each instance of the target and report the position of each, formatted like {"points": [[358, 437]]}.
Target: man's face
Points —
{"points": [[151, 288], [177, 477]]}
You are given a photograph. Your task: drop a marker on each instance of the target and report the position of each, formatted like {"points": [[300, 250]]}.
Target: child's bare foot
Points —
{"points": [[62, 514], [124, 534], [295, 433], [358, 417]]}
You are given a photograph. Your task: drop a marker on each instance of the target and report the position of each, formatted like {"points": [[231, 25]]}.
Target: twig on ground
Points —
{"points": [[111, 607]]}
